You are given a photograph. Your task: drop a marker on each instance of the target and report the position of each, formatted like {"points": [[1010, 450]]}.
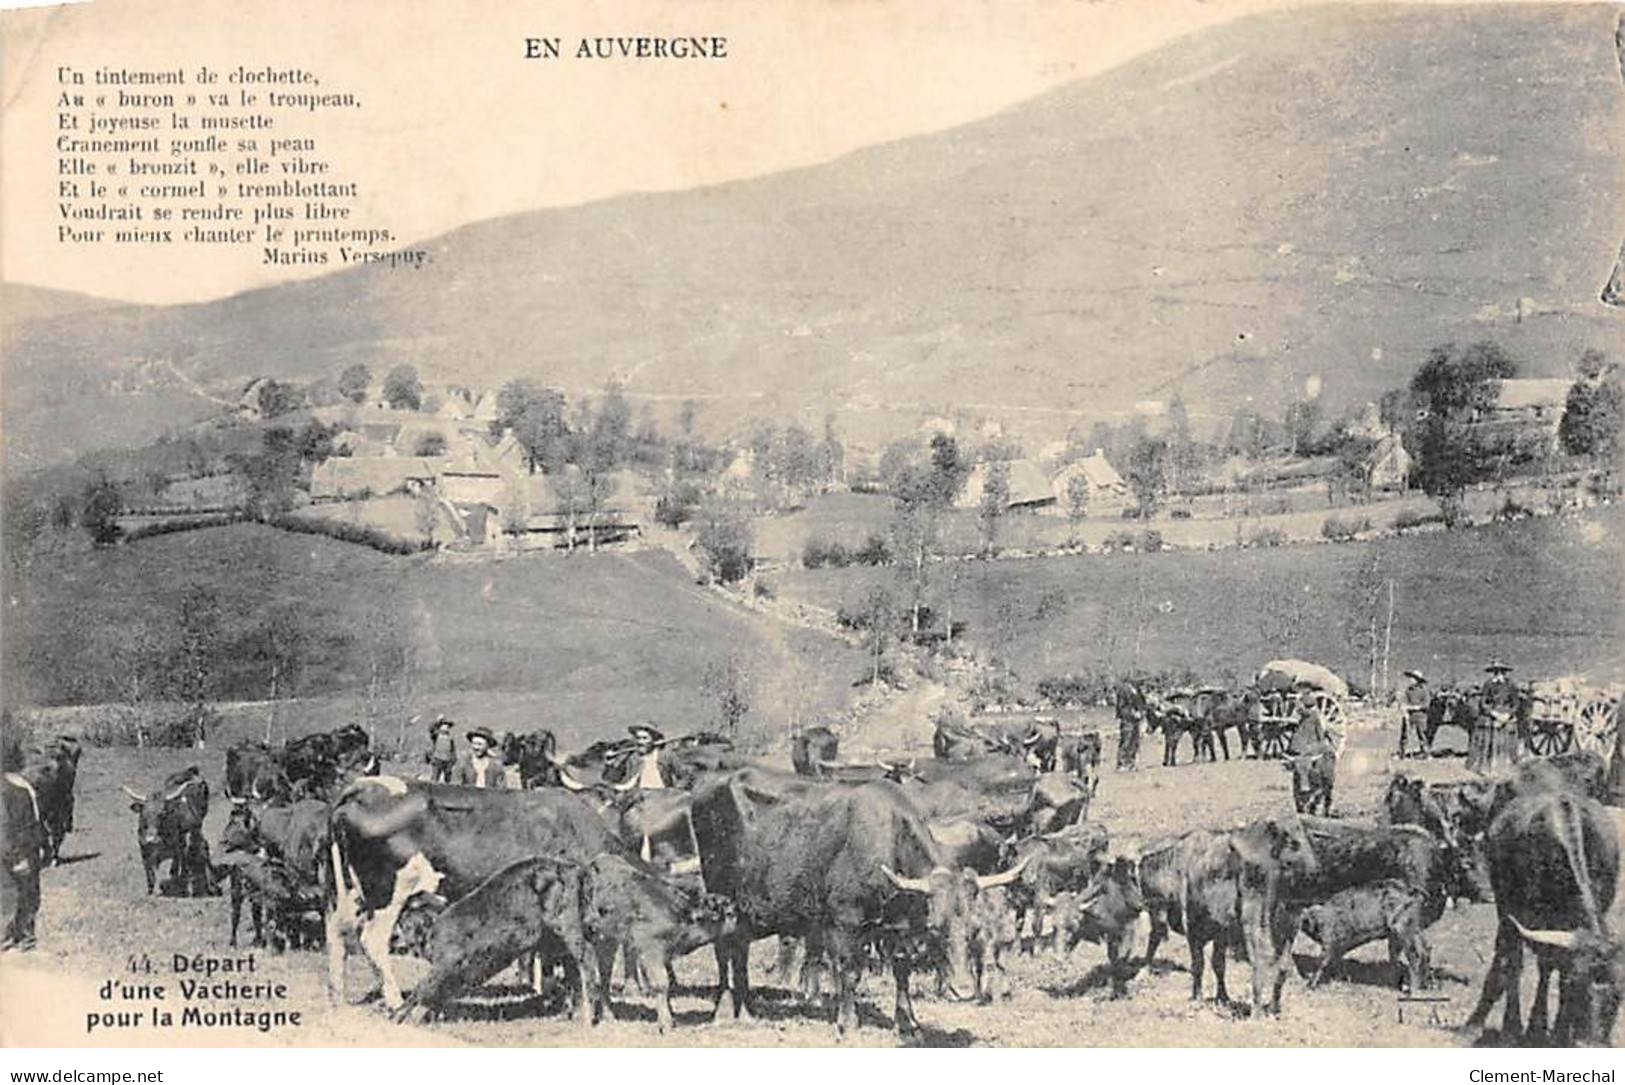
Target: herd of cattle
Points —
{"points": [[945, 866]]}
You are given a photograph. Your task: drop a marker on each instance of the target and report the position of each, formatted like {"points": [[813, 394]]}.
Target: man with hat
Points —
{"points": [[480, 768], [442, 755], [646, 774], [1415, 721]]}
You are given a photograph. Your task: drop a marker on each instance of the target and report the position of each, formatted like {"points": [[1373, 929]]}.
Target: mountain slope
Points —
{"points": [[1326, 192]]}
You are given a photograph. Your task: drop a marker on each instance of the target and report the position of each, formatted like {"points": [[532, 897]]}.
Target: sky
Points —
{"points": [[456, 126]]}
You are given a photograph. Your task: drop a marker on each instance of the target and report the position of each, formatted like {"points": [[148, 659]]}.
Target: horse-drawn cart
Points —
{"points": [[1287, 688], [1563, 713]]}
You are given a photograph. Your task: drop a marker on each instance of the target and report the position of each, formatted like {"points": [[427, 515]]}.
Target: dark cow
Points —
{"points": [[295, 833], [391, 839], [51, 768], [253, 771], [657, 921], [169, 826], [1051, 864], [533, 904], [1554, 862], [280, 902], [1105, 912], [814, 751], [22, 848], [1001, 790], [1287, 864], [1191, 885], [1365, 913], [320, 765], [653, 823], [535, 755], [966, 842], [1080, 759], [1042, 742], [843, 869], [1313, 775]]}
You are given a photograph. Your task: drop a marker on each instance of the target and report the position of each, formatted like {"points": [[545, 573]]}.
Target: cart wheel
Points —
{"points": [[1599, 725], [1543, 739], [1330, 709]]}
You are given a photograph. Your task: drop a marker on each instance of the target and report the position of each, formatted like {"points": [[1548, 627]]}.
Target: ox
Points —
{"points": [[841, 868], [814, 750], [253, 771], [535, 755], [1554, 862], [391, 839], [169, 825], [1190, 884]]}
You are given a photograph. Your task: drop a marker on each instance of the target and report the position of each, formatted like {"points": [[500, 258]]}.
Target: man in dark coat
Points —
{"points": [[480, 768], [442, 755], [22, 848], [1130, 717], [1415, 722], [1495, 740]]}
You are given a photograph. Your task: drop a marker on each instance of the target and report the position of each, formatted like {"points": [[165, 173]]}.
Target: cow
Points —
{"points": [[1353, 917], [320, 765], [254, 771], [295, 833], [1313, 775], [814, 750], [169, 825], [390, 839], [22, 848], [1104, 912], [955, 740], [998, 789], [535, 755], [1080, 759], [531, 904], [1052, 864], [966, 842], [1041, 743], [280, 901], [51, 768], [654, 823], [1190, 884], [994, 933], [1286, 864], [1554, 863], [657, 921], [842, 868]]}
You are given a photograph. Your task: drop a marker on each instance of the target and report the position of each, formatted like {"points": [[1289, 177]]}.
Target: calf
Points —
{"points": [[1312, 777], [993, 936], [169, 827], [1106, 913], [1080, 759], [279, 902], [1053, 864], [1350, 919], [534, 904], [658, 922]]}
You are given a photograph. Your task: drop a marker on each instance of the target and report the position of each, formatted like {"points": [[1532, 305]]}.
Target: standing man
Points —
{"points": [[479, 768], [442, 755], [1130, 715], [22, 846], [1415, 721], [646, 774]]}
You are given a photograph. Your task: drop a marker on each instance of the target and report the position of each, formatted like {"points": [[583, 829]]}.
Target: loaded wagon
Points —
{"points": [[1288, 687], [1562, 714]]}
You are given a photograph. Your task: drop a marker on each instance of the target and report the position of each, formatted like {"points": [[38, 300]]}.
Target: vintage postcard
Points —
{"points": [[633, 523]]}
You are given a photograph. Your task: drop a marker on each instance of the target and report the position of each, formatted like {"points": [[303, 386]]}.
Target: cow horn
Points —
{"points": [[1559, 939], [993, 881], [132, 792], [909, 885], [570, 782], [238, 800]]}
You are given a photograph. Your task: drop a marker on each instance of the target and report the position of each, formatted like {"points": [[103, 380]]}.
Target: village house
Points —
{"points": [[1029, 488], [1107, 491]]}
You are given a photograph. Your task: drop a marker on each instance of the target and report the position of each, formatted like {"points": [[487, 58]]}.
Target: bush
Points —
{"points": [[179, 524], [1267, 536], [1150, 541], [818, 553], [725, 541], [1512, 510], [1131, 512], [1339, 530], [1408, 518], [1180, 514], [1084, 689], [874, 551], [763, 590]]}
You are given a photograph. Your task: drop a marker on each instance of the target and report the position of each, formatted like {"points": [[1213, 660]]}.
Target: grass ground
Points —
{"points": [[96, 914], [1543, 594]]}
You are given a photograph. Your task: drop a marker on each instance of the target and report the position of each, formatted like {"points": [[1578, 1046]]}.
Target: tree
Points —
{"points": [[430, 444], [994, 504], [193, 672], [1301, 422], [541, 431], [877, 615], [1147, 472], [728, 682], [724, 539], [354, 382], [1077, 501], [402, 389], [99, 515], [426, 516], [277, 398], [315, 442], [1451, 388], [271, 475], [831, 455], [1594, 413]]}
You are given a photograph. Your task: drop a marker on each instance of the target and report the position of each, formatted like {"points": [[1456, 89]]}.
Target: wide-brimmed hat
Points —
{"points": [[1497, 667], [441, 722], [481, 732], [1416, 676], [644, 730]]}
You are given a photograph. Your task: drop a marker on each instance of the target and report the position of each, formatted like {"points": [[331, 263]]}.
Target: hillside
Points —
{"points": [[584, 645], [1327, 191]]}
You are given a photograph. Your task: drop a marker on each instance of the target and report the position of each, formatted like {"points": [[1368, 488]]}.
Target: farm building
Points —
{"points": [[1388, 465], [371, 476], [1029, 488], [466, 480], [1107, 490]]}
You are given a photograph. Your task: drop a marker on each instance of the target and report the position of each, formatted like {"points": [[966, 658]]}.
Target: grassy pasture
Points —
{"points": [[1544, 594]]}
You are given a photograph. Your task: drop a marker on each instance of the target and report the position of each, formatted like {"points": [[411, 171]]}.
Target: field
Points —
{"points": [[1542, 594], [96, 915]]}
